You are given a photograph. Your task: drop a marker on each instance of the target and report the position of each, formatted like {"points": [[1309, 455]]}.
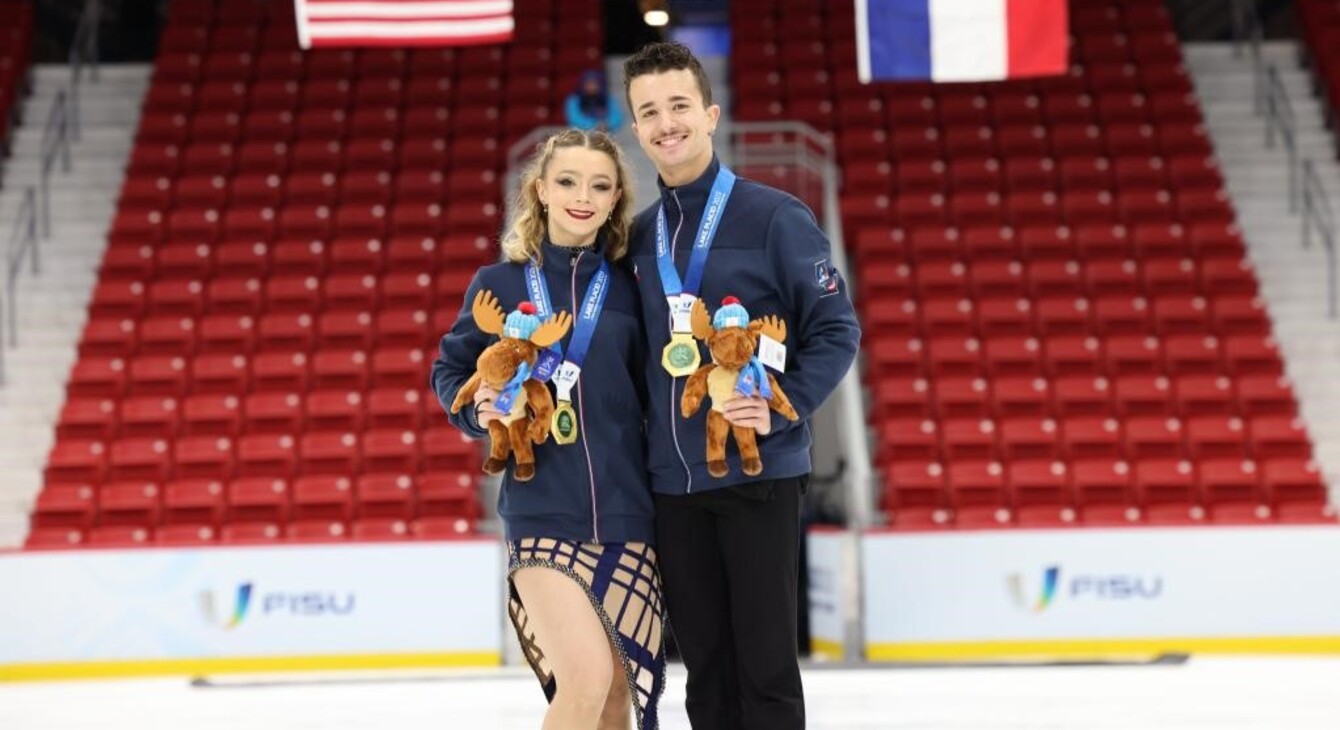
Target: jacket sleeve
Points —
{"points": [[824, 333], [457, 354]]}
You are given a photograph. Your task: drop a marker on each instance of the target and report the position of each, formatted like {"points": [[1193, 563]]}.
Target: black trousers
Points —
{"points": [[729, 560]]}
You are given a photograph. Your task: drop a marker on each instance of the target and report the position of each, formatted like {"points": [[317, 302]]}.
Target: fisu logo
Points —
{"points": [[1083, 587], [233, 619], [1050, 577]]}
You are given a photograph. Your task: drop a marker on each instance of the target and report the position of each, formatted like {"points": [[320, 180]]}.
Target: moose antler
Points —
{"points": [[701, 321], [771, 326], [488, 315], [552, 330]]}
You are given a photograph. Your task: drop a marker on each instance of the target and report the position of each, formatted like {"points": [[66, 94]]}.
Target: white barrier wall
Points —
{"points": [[117, 612], [1100, 593]]}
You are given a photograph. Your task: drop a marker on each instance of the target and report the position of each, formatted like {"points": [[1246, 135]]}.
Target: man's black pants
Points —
{"points": [[729, 562]]}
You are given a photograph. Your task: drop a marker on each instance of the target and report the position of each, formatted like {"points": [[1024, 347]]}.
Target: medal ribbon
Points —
{"points": [[707, 231], [585, 328]]}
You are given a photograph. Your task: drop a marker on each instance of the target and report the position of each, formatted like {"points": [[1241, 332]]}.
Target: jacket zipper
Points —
{"points": [[674, 422], [581, 411]]}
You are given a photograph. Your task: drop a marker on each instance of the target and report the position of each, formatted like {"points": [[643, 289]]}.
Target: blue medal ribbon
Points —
{"points": [[548, 361], [753, 380], [585, 328], [702, 243], [507, 396]]}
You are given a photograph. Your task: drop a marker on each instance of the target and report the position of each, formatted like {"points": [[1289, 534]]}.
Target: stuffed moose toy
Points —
{"points": [[734, 371], [507, 366]]}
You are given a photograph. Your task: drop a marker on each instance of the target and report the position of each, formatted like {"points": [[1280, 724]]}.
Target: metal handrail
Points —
{"points": [[1271, 100], [1281, 122], [83, 52], [1318, 214], [22, 240], [55, 141]]}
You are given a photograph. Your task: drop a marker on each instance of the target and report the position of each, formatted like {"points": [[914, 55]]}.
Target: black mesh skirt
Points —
{"points": [[621, 581]]}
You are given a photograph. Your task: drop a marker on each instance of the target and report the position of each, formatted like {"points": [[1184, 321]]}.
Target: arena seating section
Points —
{"points": [[16, 40], [1060, 324], [1319, 21], [294, 233]]}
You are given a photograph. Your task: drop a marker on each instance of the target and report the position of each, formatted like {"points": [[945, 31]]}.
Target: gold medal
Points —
{"points": [[680, 358], [564, 423]]}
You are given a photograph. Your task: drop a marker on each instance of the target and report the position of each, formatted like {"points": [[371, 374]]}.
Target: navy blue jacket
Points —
{"points": [[769, 252], [594, 490]]}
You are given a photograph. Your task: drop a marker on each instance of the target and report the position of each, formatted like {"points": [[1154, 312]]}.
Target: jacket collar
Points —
{"points": [[692, 194], [558, 258]]}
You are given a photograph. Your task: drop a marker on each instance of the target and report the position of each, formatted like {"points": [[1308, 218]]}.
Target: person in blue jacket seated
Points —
{"points": [[583, 580], [591, 106], [729, 544]]}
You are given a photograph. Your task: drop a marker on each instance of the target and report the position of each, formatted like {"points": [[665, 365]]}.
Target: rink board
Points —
{"points": [[94, 613], [1094, 593]]}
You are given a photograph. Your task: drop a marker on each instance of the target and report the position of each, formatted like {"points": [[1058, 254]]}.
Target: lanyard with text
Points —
{"points": [[539, 296], [564, 424], [680, 357]]}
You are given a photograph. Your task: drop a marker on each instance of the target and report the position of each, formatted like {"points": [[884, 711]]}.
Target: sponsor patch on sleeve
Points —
{"points": [[826, 278]]}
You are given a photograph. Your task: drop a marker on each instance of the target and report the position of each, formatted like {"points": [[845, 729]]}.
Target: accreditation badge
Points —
{"points": [[563, 425], [680, 358]]}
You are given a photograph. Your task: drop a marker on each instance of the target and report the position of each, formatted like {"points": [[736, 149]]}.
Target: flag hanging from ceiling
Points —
{"points": [[349, 23], [960, 40]]}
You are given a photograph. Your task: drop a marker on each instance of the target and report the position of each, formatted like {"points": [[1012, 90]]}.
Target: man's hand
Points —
{"points": [[485, 410], [751, 412]]}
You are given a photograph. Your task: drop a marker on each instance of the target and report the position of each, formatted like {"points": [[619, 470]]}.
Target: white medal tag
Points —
{"points": [[565, 379], [681, 312], [772, 353]]}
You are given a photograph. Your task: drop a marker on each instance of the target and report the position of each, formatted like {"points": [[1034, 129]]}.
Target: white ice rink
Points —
{"points": [[1223, 694]]}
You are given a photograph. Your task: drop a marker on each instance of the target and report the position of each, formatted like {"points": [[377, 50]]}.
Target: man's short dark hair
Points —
{"points": [[657, 58]]}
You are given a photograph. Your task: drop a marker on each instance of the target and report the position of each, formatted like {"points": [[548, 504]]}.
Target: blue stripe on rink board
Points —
{"points": [[900, 39]]}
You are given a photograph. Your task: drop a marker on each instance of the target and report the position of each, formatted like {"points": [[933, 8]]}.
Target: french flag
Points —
{"points": [[960, 40]]}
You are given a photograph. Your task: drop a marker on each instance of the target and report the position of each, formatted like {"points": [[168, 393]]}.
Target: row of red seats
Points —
{"points": [[429, 152], [166, 98], [1320, 24], [313, 222], [984, 107], [1020, 173], [365, 123], [1134, 207], [252, 533], [1213, 276], [173, 335], [1104, 492], [278, 455], [301, 293], [1063, 140], [235, 58], [337, 410], [279, 370], [199, 501], [1037, 244], [1007, 356], [147, 192], [1065, 396], [951, 439], [221, 268]]}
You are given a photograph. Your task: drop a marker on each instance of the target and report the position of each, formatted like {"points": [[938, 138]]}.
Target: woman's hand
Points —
{"points": [[485, 410]]}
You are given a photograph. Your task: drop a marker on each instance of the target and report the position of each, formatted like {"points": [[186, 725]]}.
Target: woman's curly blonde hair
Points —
{"points": [[524, 236]]}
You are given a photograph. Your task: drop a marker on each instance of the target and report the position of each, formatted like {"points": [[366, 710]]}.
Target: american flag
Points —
{"points": [[348, 23]]}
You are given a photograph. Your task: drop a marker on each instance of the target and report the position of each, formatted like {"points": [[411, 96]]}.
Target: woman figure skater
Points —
{"points": [[585, 595]]}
